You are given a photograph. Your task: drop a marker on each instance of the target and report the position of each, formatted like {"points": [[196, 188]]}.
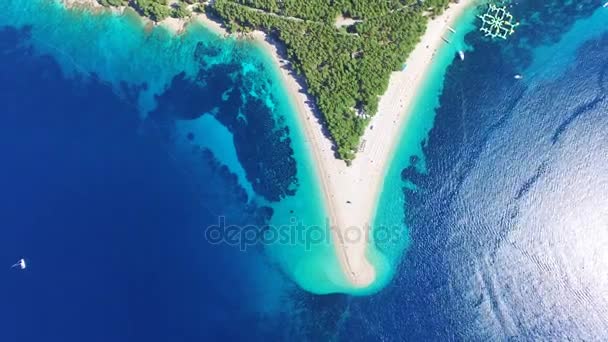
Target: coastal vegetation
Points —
{"points": [[180, 10], [156, 10], [345, 49], [346, 68], [108, 3]]}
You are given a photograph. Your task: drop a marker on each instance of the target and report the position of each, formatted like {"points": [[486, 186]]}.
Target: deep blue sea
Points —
{"points": [[111, 168], [110, 223]]}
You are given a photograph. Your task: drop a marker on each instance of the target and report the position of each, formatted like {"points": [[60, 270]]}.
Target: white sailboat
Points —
{"points": [[518, 77], [461, 55], [21, 264]]}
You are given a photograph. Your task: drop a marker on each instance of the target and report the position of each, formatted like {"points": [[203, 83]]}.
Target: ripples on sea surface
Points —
{"points": [[508, 225], [119, 146]]}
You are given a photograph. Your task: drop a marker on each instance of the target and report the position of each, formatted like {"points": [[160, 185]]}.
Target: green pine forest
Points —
{"points": [[346, 67]]}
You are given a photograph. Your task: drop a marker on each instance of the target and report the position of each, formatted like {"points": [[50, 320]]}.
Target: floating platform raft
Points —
{"points": [[497, 22]]}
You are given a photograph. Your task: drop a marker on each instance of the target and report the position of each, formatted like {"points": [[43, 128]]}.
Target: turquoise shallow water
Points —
{"points": [[506, 209], [143, 62], [208, 133], [109, 181], [549, 60], [547, 63], [389, 210], [125, 54], [314, 266]]}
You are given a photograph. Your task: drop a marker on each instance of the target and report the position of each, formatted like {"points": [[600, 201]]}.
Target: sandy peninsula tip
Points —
{"points": [[351, 192]]}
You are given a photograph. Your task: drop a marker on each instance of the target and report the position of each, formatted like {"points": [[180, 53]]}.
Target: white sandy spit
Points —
{"points": [[351, 193]]}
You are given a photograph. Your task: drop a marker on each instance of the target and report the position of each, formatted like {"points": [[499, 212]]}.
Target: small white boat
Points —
{"points": [[518, 77], [21, 264], [605, 5], [461, 55]]}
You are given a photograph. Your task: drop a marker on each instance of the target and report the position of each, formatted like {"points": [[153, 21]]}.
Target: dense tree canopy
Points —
{"points": [[112, 2], [346, 67], [157, 10]]}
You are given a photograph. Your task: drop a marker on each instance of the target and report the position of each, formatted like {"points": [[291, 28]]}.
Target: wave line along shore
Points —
{"points": [[351, 192]]}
